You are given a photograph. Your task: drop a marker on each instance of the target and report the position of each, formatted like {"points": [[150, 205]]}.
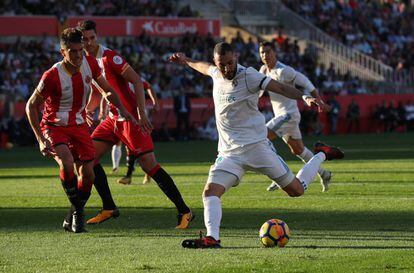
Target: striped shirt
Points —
{"points": [[66, 95]]}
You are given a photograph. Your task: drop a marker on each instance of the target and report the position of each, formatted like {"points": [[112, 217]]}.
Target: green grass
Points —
{"points": [[365, 223]]}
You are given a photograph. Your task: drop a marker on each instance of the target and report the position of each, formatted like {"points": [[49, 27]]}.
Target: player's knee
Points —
{"points": [[66, 165], [212, 189], [147, 162], [296, 150]]}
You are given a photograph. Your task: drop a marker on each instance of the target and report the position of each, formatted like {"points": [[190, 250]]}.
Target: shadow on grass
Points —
{"points": [[238, 221]]}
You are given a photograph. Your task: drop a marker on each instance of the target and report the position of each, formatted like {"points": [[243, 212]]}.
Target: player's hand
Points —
{"points": [[322, 106], [89, 118], [156, 107], [178, 58], [311, 101], [145, 124], [125, 114], [46, 148]]}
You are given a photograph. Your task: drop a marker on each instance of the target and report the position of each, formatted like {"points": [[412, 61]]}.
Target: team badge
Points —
{"points": [[234, 83], [88, 79], [117, 59]]}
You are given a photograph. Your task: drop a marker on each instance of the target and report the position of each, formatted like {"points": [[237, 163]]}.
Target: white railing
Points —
{"points": [[345, 56]]}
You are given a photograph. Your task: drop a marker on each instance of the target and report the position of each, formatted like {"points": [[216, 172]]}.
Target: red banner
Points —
{"points": [[110, 26], [153, 26], [28, 25]]}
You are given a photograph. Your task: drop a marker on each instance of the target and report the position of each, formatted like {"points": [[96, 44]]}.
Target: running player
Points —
{"points": [[243, 144], [114, 129], [285, 123], [63, 133]]}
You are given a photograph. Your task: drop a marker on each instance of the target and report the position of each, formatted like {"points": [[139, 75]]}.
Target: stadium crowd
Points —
{"points": [[387, 36], [62, 9]]}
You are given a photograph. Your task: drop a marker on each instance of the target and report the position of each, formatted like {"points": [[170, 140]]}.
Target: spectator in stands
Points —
{"points": [[182, 110], [352, 117], [409, 115], [392, 118], [333, 115]]}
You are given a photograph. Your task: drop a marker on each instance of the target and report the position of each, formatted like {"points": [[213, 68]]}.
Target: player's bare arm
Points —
{"points": [[131, 76], [95, 101], [154, 99], [32, 112], [110, 95], [180, 58], [290, 92]]}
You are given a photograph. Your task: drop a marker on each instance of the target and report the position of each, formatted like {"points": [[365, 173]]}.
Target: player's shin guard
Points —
{"points": [[309, 171], [130, 164], [212, 215], [167, 185], [102, 187]]}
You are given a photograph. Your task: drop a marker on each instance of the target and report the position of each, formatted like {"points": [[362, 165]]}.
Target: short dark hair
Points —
{"points": [[222, 48], [269, 44], [70, 35], [87, 25]]}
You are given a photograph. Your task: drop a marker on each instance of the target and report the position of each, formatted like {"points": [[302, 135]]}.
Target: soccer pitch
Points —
{"points": [[365, 223]]}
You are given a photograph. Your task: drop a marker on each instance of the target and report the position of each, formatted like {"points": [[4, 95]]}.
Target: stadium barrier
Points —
{"points": [[203, 108]]}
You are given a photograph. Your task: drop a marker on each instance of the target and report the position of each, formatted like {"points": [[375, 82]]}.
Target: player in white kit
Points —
{"points": [[285, 123], [243, 143]]}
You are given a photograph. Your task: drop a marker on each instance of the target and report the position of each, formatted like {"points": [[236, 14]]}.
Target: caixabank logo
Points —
{"points": [[169, 27]]}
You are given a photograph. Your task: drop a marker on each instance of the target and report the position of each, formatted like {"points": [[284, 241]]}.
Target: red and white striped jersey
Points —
{"points": [[113, 65], [66, 95]]}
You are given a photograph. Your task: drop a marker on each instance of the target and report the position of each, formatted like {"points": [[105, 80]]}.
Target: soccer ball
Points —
{"points": [[274, 232]]}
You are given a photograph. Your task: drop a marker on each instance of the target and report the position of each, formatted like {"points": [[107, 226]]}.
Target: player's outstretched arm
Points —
{"points": [[32, 112], [180, 58], [131, 76], [110, 95], [289, 91]]}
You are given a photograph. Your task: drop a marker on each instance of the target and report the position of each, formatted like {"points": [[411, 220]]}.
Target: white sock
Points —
{"points": [[212, 216], [309, 171], [306, 155], [116, 155]]}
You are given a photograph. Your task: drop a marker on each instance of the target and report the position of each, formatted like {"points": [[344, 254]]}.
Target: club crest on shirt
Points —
{"points": [[234, 83], [117, 59], [88, 79]]}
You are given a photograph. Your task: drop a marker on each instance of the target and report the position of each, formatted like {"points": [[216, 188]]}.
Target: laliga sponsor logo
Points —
{"points": [[161, 27]]}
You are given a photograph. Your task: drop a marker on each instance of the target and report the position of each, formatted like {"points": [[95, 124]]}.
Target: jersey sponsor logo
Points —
{"points": [[227, 99], [117, 59]]}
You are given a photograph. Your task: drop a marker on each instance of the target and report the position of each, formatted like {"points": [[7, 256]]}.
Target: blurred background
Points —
{"points": [[359, 54]]}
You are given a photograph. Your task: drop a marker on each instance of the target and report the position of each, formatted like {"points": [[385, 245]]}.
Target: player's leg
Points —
{"points": [[68, 178], [224, 174], [109, 208], [130, 163], [150, 166], [306, 175], [103, 140], [116, 155], [297, 148]]}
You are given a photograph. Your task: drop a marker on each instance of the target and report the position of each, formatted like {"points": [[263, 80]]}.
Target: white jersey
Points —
{"points": [[283, 73], [238, 119]]}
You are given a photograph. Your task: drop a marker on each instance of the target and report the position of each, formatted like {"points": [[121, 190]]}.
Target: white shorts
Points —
{"points": [[259, 157], [286, 126]]}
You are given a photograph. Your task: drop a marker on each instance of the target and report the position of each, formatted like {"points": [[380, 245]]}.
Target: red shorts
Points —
{"points": [[76, 137], [125, 131]]}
